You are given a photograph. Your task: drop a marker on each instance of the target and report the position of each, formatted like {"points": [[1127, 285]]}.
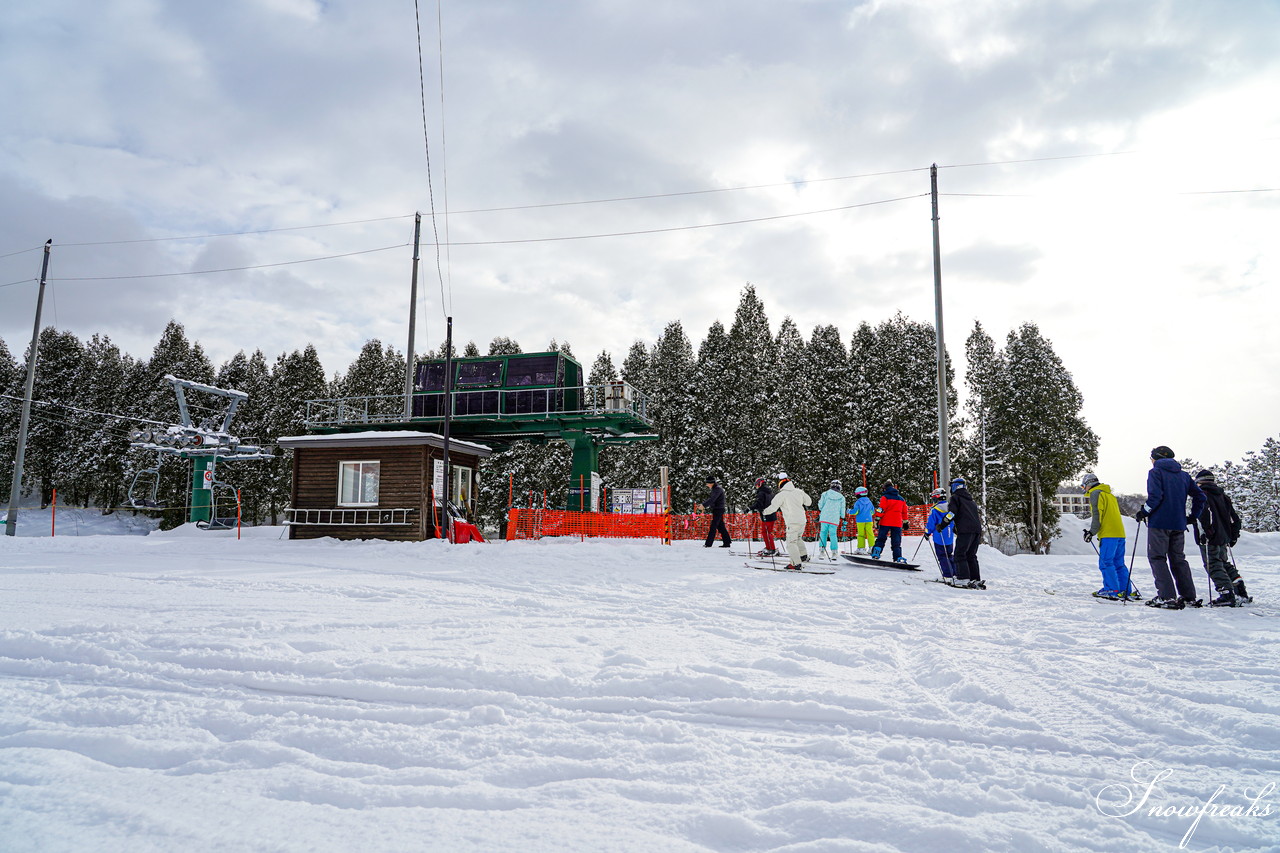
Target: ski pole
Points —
{"points": [[1128, 581], [923, 536]]}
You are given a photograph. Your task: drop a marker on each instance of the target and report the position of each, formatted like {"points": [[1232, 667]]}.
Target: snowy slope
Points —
{"points": [[190, 691]]}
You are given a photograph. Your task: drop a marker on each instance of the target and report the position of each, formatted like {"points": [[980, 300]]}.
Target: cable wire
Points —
{"points": [[231, 269], [426, 142], [22, 251], [85, 411], [233, 233], [20, 281], [444, 151]]}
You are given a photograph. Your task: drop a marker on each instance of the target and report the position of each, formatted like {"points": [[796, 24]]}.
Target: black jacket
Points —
{"points": [[764, 497], [968, 518], [1219, 523], [715, 500]]}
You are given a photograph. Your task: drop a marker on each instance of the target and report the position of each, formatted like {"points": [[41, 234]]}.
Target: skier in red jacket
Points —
{"points": [[892, 517]]}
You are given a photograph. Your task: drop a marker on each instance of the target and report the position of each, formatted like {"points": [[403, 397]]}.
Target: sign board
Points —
{"points": [[437, 479], [208, 479], [635, 501]]}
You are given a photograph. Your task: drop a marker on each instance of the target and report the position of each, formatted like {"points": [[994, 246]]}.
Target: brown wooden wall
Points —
{"points": [[404, 480]]}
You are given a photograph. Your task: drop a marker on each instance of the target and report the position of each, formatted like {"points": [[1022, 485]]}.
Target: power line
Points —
{"points": [[231, 269], [231, 233], [20, 281], [22, 251], [426, 142], [1039, 159], [85, 411], [444, 149], [687, 227]]}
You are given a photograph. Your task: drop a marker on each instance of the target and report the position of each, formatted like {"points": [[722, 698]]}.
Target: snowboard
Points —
{"points": [[872, 563], [807, 568]]}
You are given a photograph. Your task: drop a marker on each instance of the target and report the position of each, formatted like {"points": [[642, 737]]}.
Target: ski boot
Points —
{"points": [[1242, 596], [1131, 595], [804, 558], [976, 584], [1109, 594], [899, 559], [875, 553], [1166, 603], [767, 552], [1226, 598], [822, 555], [1192, 602]]}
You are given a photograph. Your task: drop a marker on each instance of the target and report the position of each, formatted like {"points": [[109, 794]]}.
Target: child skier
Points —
{"points": [[831, 511], [764, 495], [1219, 529], [939, 526], [892, 516], [863, 513], [791, 502], [1105, 524]]}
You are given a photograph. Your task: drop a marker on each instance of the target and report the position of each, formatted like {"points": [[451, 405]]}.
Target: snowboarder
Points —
{"points": [[1165, 512], [1218, 530], [715, 504], [831, 511], [939, 527], [968, 526], [764, 495], [863, 513], [791, 502], [892, 516], [1106, 526]]}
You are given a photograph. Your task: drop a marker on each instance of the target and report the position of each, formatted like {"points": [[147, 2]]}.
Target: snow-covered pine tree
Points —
{"points": [[1034, 420], [712, 449], [504, 346], [864, 391], [1261, 493], [56, 437], [784, 432], [975, 452], [103, 386], [251, 424], [632, 466], [11, 378], [377, 372], [750, 369], [295, 378], [826, 434], [471, 350], [670, 396]]}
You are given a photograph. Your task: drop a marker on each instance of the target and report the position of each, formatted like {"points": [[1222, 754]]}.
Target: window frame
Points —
{"points": [[360, 473]]}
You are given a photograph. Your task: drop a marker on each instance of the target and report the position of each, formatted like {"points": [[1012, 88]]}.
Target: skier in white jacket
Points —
{"points": [[791, 502]]}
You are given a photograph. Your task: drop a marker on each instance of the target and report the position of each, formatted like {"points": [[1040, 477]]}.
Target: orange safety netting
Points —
{"points": [[535, 523]]}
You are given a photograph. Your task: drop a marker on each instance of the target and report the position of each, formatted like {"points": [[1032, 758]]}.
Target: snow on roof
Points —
{"points": [[378, 437]]}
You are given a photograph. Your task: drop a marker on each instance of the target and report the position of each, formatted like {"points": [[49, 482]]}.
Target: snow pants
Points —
{"points": [[1169, 567], [717, 526], [967, 568], [895, 533], [946, 559], [795, 542], [866, 534], [766, 533], [827, 532], [1217, 562], [1111, 563]]}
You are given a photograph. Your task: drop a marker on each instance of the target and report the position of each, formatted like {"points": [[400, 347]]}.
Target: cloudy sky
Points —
{"points": [[1109, 171]]}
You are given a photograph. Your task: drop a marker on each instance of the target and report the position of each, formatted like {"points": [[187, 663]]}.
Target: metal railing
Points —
{"points": [[349, 516], [611, 399]]}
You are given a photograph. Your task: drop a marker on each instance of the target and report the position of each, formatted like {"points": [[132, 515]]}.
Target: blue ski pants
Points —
{"points": [[827, 531], [885, 532], [946, 559], [1111, 563]]}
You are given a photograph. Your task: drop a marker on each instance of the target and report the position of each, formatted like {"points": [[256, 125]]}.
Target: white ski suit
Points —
{"points": [[791, 502]]}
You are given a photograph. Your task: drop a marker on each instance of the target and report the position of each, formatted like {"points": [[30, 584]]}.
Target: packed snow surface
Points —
{"points": [[191, 691]]}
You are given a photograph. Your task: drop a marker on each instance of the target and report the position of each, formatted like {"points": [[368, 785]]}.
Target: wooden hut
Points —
{"points": [[377, 485]]}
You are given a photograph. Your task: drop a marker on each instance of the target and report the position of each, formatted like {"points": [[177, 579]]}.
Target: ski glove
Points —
{"points": [[1142, 515], [1088, 537], [1191, 520], [906, 525]]}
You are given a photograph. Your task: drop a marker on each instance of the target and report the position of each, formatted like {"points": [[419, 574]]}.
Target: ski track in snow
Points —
{"points": [[201, 693]]}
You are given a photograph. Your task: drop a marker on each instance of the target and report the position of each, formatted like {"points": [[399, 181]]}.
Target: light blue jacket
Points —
{"points": [[831, 507], [863, 510]]}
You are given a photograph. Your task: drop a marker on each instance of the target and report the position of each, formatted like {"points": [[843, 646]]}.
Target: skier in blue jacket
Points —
{"points": [[864, 513], [1165, 512], [944, 538], [831, 507]]}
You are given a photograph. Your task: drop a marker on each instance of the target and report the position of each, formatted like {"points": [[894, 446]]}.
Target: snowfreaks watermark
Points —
{"points": [[1148, 799]]}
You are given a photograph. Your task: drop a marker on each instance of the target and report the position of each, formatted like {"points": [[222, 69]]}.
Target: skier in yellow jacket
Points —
{"points": [[1105, 525]]}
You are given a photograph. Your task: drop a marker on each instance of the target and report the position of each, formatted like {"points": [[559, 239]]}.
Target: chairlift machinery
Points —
{"points": [[204, 443]]}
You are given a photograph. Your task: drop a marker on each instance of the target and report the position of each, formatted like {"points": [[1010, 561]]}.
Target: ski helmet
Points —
{"points": [[759, 482], [1089, 481], [782, 477], [835, 484], [861, 491], [939, 494], [957, 483]]}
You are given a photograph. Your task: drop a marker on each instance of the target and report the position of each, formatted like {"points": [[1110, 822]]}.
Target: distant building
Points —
{"points": [[1071, 500]]}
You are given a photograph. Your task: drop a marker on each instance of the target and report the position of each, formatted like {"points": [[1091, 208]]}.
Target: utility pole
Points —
{"points": [[944, 449], [11, 523], [448, 414], [410, 360]]}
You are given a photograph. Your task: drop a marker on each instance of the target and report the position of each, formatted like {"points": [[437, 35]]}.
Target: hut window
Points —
{"points": [[358, 483]]}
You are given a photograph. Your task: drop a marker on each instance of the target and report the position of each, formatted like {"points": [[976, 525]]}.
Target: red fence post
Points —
{"points": [[53, 519]]}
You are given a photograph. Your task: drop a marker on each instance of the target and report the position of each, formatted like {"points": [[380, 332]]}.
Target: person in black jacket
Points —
{"points": [[1218, 530], [968, 522], [764, 496], [714, 504]]}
